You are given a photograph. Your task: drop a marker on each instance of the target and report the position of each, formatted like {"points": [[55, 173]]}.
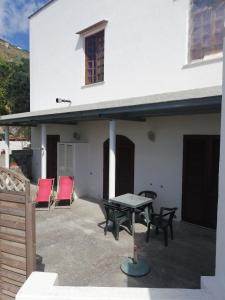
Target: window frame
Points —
{"points": [[206, 57], [99, 61]]}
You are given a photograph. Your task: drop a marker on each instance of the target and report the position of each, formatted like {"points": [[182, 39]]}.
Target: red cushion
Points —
{"points": [[44, 190], [65, 188]]}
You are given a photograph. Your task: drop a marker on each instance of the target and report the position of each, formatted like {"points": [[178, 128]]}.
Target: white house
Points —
{"points": [[145, 71], [44, 286], [126, 96]]}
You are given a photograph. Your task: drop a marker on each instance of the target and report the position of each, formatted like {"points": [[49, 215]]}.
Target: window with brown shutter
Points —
{"points": [[94, 54], [206, 28]]}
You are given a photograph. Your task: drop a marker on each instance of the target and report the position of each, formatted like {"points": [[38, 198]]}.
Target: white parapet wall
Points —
{"points": [[43, 286], [216, 284], [14, 145]]}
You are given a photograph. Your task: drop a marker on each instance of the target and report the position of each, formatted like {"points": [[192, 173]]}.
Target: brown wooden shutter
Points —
{"points": [[206, 29], [94, 61]]}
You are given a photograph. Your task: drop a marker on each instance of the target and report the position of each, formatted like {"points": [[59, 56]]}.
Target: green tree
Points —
{"points": [[18, 89], [14, 87], [4, 79]]}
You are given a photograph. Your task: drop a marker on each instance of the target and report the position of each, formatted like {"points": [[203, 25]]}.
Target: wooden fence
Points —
{"points": [[17, 233]]}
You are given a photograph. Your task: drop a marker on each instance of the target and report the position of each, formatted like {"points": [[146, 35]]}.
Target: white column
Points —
{"points": [[7, 147], [216, 284], [220, 241], [112, 158], [43, 152]]}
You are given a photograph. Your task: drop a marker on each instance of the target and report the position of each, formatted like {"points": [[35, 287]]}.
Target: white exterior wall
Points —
{"points": [[145, 51], [220, 245], [44, 286], [215, 285], [158, 164], [14, 145], [66, 135]]}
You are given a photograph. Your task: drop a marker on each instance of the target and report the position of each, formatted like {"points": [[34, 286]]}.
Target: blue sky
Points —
{"points": [[14, 20]]}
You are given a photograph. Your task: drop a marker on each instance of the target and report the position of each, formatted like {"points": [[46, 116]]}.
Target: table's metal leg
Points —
{"points": [[133, 234], [133, 223], [133, 266]]}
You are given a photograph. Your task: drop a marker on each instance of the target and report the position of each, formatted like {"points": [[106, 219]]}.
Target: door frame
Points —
{"points": [[187, 137], [119, 139], [58, 137]]}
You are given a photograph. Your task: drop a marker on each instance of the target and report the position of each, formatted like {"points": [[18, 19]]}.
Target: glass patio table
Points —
{"points": [[133, 266]]}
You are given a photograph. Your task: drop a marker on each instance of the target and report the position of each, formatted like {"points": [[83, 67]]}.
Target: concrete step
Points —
{"points": [[44, 286]]}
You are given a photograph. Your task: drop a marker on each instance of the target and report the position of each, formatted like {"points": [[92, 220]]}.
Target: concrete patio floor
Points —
{"points": [[71, 242]]}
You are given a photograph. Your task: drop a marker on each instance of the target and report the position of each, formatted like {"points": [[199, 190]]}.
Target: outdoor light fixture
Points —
{"points": [[60, 100], [151, 136], [76, 136]]}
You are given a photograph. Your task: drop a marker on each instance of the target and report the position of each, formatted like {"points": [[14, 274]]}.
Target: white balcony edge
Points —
{"points": [[43, 286]]}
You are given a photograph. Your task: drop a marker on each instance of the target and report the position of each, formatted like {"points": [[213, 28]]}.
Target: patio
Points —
{"points": [[71, 242]]}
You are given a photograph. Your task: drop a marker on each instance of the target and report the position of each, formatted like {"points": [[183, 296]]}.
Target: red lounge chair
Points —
{"points": [[64, 192], [45, 193]]}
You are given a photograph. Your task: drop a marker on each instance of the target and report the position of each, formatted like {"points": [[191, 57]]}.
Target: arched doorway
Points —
{"points": [[124, 166]]}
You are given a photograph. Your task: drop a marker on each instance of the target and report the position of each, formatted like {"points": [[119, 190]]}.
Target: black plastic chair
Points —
{"points": [[117, 215], [162, 221], [143, 213], [149, 194]]}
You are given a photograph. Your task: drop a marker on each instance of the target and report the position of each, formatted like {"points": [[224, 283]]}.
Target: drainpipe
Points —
{"points": [[112, 158], [43, 152], [7, 147]]}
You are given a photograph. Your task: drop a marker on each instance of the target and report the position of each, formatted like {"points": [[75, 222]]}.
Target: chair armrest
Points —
{"points": [[123, 208], [167, 211], [168, 208], [111, 205], [155, 215]]}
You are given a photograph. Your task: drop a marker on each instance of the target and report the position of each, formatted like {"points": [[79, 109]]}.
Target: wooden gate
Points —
{"points": [[17, 233]]}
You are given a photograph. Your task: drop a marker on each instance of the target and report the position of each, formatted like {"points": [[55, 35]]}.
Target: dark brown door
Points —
{"points": [[52, 141], [200, 179], [124, 166]]}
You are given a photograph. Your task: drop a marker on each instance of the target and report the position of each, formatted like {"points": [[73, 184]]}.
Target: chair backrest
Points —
{"points": [[148, 194], [168, 213], [112, 209], [65, 188], [44, 189]]}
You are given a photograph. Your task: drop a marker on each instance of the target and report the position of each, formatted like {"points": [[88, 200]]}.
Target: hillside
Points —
{"points": [[14, 84], [14, 79], [10, 53]]}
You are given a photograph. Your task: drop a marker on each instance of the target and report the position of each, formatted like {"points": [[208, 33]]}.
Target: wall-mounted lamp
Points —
{"points": [[76, 136], [151, 136], [60, 100]]}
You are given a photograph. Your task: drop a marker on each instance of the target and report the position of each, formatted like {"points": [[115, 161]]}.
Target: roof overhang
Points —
{"points": [[199, 101], [42, 8]]}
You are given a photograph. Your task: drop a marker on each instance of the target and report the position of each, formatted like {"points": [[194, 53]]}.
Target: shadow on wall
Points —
{"points": [[80, 43]]}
